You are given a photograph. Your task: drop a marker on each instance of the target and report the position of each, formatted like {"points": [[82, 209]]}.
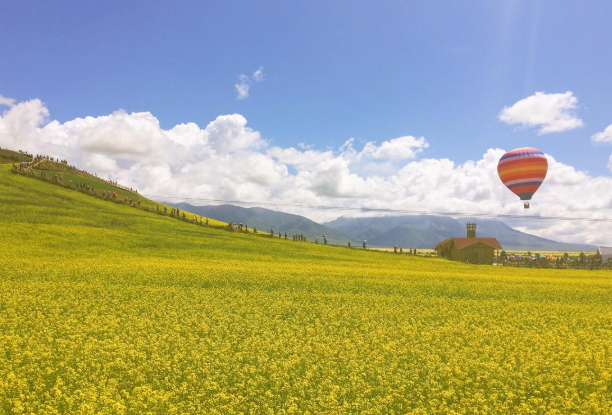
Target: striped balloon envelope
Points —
{"points": [[522, 171]]}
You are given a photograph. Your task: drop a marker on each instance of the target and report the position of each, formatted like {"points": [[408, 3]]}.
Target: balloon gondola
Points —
{"points": [[522, 171]]}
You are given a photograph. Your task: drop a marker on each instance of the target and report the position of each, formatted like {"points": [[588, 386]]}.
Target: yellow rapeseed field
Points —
{"points": [[105, 309]]}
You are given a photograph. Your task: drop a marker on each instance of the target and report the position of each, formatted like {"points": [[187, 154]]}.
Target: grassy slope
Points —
{"points": [[107, 309], [100, 186], [10, 156]]}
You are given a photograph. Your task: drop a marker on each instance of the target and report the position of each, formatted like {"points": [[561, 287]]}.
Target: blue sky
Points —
{"points": [[333, 70]]}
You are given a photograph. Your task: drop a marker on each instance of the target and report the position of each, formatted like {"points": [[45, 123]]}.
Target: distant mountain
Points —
{"points": [[412, 231], [426, 231], [266, 219]]}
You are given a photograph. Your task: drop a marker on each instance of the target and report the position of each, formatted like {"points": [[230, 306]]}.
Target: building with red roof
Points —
{"points": [[470, 248]]}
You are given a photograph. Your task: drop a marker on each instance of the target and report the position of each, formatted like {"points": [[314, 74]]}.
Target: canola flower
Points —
{"points": [[110, 310]]}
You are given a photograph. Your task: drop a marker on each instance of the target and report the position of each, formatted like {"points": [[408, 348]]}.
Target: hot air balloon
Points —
{"points": [[522, 171]]}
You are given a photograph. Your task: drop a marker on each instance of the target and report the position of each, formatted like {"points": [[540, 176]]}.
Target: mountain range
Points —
{"points": [[424, 231], [266, 219], [412, 231]]}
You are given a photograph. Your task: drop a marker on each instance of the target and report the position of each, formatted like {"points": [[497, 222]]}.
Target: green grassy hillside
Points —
{"points": [[10, 156], [72, 178], [107, 309]]}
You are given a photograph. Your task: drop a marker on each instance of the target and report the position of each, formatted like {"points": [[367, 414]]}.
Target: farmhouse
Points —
{"points": [[471, 248], [604, 253]]}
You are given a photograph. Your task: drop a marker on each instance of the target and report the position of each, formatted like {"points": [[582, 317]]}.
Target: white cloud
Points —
{"points": [[603, 137], [242, 88], [7, 102], [258, 75], [400, 148], [244, 85], [229, 133], [332, 178], [301, 160], [552, 113], [228, 160]]}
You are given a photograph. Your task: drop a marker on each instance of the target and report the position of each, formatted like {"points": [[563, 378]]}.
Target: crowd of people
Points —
{"points": [[41, 162]]}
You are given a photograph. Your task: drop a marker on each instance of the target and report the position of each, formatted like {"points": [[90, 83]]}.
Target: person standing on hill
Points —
{"points": [[285, 235], [349, 244], [324, 239], [364, 244], [395, 249]]}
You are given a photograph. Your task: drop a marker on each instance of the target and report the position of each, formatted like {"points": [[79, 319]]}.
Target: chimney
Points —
{"points": [[471, 230]]}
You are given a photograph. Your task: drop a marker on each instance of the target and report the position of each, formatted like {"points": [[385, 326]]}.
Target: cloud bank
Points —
{"points": [[552, 113], [228, 160]]}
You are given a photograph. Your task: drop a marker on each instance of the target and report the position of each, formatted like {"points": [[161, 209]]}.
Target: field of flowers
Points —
{"points": [[106, 309]]}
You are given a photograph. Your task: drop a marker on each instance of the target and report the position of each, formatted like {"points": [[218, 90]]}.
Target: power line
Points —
{"points": [[383, 210]]}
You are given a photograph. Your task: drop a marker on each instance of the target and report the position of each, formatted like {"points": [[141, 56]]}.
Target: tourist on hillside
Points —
{"points": [[324, 239], [349, 244], [364, 244]]}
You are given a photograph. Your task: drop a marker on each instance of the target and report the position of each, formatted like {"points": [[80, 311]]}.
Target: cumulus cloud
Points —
{"points": [[228, 160], [400, 148], [603, 137], [7, 102], [552, 113]]}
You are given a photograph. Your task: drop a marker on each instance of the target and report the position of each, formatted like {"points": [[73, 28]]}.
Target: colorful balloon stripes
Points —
{"points": [[522, 171]]}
